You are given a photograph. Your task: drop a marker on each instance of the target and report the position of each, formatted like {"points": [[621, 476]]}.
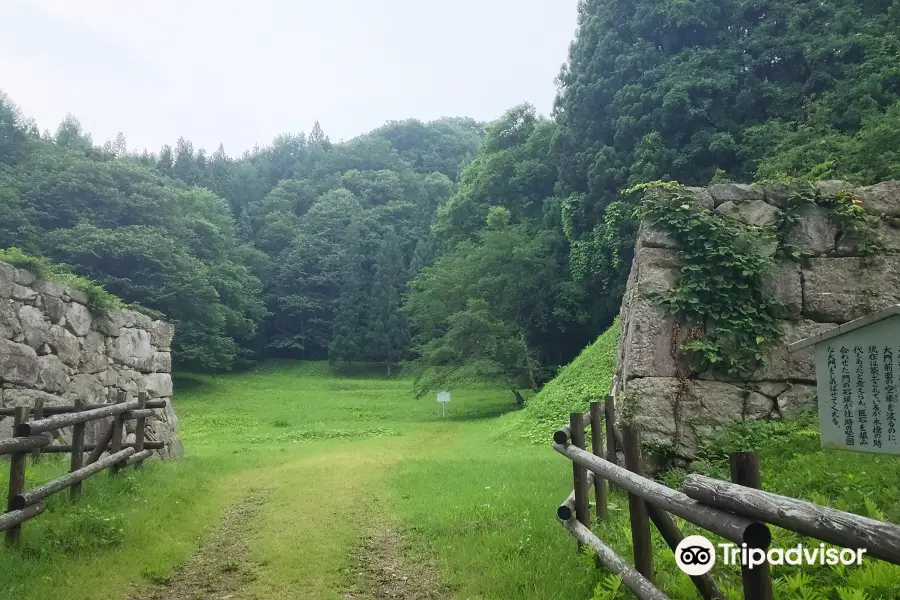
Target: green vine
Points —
{"points": [[844, 210], [720, 288]]}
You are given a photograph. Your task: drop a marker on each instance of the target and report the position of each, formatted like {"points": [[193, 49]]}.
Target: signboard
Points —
{"points": [[858, 383], [444, 398]]}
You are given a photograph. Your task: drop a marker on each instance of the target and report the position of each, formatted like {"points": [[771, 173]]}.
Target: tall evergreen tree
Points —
{"points": [[388, 333], [350, 324]]}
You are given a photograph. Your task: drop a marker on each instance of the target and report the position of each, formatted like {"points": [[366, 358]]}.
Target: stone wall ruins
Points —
{"points": [[52, 347], [829, 285]]}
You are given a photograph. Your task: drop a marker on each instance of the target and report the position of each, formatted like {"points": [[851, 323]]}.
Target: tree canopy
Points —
{"points": [[464, 249]]}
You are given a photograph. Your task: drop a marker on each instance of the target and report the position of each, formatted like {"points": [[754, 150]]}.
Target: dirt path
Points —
{"points": [[306, 529], [221, 566], [383, 569]]}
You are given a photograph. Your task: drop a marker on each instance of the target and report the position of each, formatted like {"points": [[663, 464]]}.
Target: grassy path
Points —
{"points": [[300, 484]]}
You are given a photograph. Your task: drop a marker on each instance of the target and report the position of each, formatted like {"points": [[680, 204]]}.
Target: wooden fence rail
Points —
{"points": [[738, 511], [36, 437]]}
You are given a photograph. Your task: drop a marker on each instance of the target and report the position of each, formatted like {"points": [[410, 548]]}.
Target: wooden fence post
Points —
{"points": [[579, 473], [139, 426], [637, 508], [745, 471], [38, 415], [609, 408], [77, 452], [115, 443], [597, 447], [16, 477]]}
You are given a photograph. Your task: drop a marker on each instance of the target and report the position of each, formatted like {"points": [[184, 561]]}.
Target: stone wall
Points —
{"points": [[829, 285], [52, 347]]}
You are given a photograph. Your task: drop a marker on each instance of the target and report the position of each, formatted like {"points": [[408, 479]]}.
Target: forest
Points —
{"points": [[456, 248]]}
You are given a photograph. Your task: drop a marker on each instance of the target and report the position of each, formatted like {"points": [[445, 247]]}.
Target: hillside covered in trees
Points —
{"points": [[498, 250]]}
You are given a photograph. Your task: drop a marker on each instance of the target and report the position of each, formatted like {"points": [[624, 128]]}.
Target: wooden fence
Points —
{"points": [[738, 511], [36, 429]]}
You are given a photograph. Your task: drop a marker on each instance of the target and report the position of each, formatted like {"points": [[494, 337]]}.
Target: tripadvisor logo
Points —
{"points": [[696, 555]]}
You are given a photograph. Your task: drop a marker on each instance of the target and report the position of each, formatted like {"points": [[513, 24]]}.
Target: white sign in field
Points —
{"points": [[858, 383], [444, 398]]}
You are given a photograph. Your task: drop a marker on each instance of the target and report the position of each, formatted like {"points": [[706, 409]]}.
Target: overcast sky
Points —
{"points": [[242, 71]]}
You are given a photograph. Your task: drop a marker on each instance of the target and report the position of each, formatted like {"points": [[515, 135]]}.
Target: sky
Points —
{"points": [[240, 72]]}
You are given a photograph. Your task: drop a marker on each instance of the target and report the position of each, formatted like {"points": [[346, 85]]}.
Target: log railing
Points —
{"points": [[36, 431], [738, 511]]}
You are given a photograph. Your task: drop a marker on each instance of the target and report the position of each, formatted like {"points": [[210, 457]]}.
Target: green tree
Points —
{"points": [[388, 333]]}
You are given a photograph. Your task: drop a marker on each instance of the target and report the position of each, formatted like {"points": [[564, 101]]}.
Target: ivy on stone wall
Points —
{"points": [[724, 264], [844, 210], [719, 292]]}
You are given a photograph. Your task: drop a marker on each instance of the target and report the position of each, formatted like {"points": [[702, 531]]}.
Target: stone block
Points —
{"points": [[51, 288], [7, 279], [782, 365], [76, 295], [882, 199], [679, 415], [650, 237], [130, 380], [842, 289], [9, 320], [114, 322], [885, 233], [24, 294], [162, 362], [797, 400], [784, 284], [78, 319], [133, 348], [778, 194], [26, 397], [55, 309], [93, 353], [771, 389], [702, 196], [833, 187], [25, 278], [158, 385], [134, 319], [65, 345], [734, 192], [89, 388], [109, 378], [33, 326], [52, 374], [108, 325], [752, 212], [656, 258], [18, 363], [161, 334], [814, 234], [648, 342]]}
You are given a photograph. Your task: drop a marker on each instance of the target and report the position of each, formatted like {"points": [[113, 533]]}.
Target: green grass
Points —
{"points": [[335, 455], [792, 464], [586, 379], [339, 455]]}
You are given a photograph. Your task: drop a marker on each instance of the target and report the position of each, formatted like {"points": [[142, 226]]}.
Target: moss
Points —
{"points": [[100, 301]]}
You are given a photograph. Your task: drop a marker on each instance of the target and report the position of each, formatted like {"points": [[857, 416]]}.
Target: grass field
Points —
{"points": [[292, 469], [334, 457]]}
